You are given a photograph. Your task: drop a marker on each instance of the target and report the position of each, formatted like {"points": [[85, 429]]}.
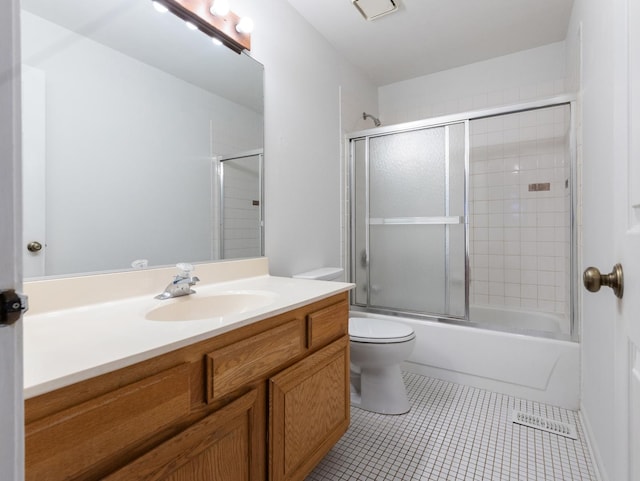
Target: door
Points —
{"points": [[629, 249], [11, 420], [33, 171], [408, 220], [620, 223]]}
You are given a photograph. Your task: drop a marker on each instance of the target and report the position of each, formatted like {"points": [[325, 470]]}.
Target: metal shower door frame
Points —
{"points": [[445, 220], [569, 100]]}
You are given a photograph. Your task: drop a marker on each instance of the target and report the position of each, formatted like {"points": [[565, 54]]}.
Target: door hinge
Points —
{"points": [[12, 305]]}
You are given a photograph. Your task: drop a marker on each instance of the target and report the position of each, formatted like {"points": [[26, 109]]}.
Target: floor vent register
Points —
{"points": [[544, 424]]}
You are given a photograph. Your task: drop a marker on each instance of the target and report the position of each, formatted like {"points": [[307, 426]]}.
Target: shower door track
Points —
{"points": [[464, 116]]}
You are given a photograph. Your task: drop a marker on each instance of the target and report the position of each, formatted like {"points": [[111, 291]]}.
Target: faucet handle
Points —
{"points": [[185, 269]]}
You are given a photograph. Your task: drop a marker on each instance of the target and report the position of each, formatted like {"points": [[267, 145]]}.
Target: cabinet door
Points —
{"points": [[223, 446], [78, 442], [309, 411]]}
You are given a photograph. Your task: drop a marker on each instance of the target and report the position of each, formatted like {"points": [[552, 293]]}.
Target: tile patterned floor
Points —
{"points": [[456, 433]]}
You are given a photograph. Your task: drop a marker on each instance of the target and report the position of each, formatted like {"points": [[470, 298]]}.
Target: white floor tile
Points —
{"points": [[455, 432]]}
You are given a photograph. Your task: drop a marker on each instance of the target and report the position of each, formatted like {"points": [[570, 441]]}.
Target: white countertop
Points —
{"points": [[62, 347]]}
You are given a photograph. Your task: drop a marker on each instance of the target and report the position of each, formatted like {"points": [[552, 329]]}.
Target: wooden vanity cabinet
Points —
{"points": [[218, 447], [308, 411], [265, 401]]}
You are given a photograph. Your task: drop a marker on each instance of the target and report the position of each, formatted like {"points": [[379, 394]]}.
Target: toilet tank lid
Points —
{"points": [[324, 273]]}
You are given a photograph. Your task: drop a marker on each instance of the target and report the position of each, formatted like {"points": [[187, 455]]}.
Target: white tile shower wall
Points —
{"points": [[522, 76], [241, 213], [519, 238]]}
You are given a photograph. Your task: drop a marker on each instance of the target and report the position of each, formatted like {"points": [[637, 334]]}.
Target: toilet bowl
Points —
{"points": [[377, 349]]}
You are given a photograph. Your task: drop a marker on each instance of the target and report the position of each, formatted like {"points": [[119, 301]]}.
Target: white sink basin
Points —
{"points": [[195, 307]]}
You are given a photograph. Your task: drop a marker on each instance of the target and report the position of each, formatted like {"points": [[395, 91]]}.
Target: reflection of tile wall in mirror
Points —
{"points": [[241, 214], [132, 124]]}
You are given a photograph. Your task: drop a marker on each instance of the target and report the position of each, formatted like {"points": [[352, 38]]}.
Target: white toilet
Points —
{"points": [[377, 348]]}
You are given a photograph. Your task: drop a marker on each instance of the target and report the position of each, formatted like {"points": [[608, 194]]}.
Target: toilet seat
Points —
{"points": [[378, 331]]}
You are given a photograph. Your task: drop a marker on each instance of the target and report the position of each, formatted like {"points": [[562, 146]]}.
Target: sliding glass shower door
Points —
{"points": [[408, 221]]}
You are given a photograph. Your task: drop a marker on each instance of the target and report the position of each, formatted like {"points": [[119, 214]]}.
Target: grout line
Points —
{"points": [[456, 432]]}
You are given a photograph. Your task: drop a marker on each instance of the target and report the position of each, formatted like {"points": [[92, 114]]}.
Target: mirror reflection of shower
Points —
{"points": [[376, 121], [240, 186]]}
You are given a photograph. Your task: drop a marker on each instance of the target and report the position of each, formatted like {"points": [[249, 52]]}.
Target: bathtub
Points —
{"points": [[534, 368], [507, 318]]}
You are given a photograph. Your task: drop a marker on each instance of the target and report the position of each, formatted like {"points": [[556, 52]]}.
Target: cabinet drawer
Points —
{"points": [[70, 442], [221, 446], [327, 324], [243, 362]]}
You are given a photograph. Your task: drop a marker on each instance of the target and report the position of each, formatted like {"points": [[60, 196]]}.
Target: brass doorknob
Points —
{"points": [[34, 246], [593, 280]]}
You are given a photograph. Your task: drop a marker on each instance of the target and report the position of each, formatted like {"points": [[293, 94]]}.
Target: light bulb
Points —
{"points": [[216, 41], [190, 26], [245, 25], [160, 8], [219, 8]]}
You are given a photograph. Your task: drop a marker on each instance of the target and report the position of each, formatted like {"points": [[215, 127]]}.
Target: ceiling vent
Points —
{"points": [[372, 9]]}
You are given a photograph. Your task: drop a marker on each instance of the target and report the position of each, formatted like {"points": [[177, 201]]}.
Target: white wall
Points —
{"points": [[312, 96], [128, 154], [522, 76]]}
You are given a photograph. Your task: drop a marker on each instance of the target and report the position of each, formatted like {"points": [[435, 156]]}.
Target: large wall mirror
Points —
{"points": [[142, 140]]}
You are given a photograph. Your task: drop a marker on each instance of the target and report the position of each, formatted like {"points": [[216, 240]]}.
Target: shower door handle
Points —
{"points": [[593, 280], [443, 220], [364, 259]]}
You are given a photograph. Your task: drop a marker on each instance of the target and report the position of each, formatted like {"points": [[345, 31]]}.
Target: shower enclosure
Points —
{"points": [[240, 186], [467, 219]]}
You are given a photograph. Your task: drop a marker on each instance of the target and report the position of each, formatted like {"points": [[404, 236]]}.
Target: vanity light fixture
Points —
{"points": [[160, 8], [229, 29], [219, 8], [245, 25]]}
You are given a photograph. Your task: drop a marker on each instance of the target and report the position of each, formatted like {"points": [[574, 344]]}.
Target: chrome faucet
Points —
{"points": [[181, 283]]}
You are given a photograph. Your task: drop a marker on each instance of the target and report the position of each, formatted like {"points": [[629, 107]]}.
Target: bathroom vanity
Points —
{"points": [[261, 394]]}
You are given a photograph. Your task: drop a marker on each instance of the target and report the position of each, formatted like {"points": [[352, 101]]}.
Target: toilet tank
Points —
{"points": [[322, 274]]}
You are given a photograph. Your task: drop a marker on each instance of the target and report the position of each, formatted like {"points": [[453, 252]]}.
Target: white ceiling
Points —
{"points": [[427, 36]]}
